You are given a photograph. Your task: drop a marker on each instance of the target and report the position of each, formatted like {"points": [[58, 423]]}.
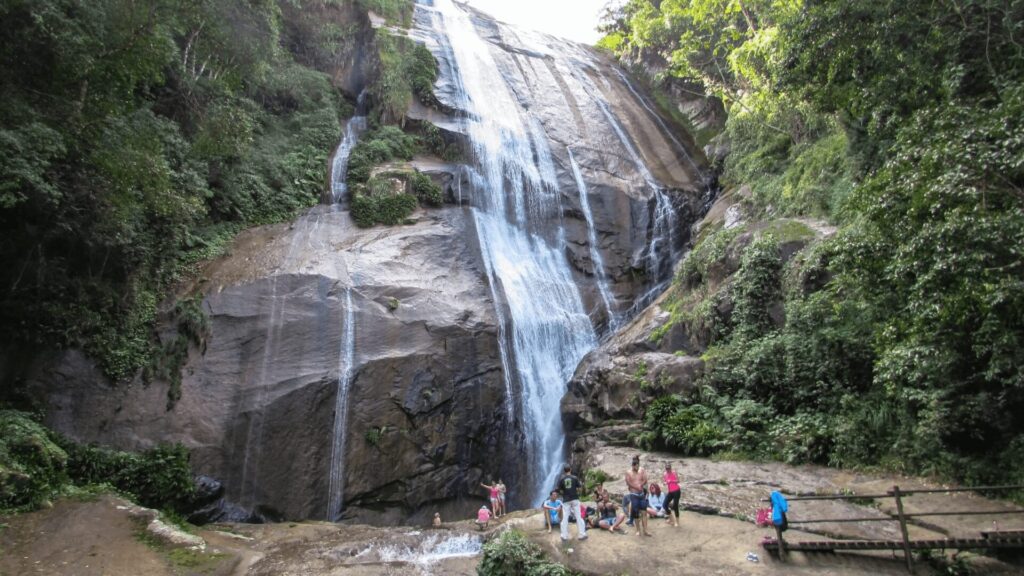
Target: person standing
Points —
{"points": [[501, 497], [636, 483], [570, 486], [495, 501], [672, 495]]}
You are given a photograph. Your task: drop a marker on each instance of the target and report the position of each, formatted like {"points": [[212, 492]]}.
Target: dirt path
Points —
{"points": [[82, 538], [102, 537]]}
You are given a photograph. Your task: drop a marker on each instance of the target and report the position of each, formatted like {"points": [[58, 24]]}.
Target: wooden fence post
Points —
{"points": [[903, 529]]}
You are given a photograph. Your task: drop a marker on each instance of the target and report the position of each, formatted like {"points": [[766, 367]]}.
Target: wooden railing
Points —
{"points": [[992, 539]]}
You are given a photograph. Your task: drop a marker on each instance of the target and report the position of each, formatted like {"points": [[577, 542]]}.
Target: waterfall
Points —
{"points": [[346, 359], [664, 215], [595, 254], [339, 165], [346, 354], [513, 209], [665, 129]]}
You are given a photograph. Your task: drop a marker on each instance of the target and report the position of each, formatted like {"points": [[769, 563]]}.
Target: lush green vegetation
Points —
{"points": [[512, 554], [390, 196], [135, 140], [397, 12], [898, 341], [407, 70], [37, 465]]}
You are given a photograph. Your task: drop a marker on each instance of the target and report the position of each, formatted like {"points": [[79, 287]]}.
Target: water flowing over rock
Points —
{"points": [[374, 373], [529, 105], [339, 164]]}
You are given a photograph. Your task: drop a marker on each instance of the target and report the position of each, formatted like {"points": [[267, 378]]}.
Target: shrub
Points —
{"points": [[592, 478], [376, 147], [511, 554], [426, 190], [158, 478], [32, 466]]}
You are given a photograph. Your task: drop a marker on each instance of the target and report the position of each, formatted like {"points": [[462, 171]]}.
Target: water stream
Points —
{"points": [[514, 209], [662, 249], [346, 353], [354, 128], [595, 254], [346, 359]]}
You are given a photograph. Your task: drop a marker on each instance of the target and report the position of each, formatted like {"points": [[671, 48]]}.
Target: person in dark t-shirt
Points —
{"points": [[569, 485]]}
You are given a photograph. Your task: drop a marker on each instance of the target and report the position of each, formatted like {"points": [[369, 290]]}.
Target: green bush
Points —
{"points": [[157, 478], [377, 147], [32, 466], [390, 210], [426, 190], [512, 554], [407, 69], [398, 12], [592, 478]]}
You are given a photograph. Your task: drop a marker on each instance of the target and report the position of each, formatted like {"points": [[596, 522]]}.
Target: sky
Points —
{"points": [[572, 19]]}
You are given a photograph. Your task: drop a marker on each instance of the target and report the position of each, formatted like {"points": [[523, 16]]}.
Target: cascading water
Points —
{"points": [[547, 327], [346, 358], [595, 254], [665, 129], [339, 166], [346, 354], [664, 217]]}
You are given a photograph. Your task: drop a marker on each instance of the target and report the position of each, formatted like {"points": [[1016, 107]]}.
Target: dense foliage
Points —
{"points": [[36, 465], [512, 554], [135, 139], [897, 341]]}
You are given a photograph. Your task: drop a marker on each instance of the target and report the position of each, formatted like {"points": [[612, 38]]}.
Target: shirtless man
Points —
{"points": [[636, 483]]}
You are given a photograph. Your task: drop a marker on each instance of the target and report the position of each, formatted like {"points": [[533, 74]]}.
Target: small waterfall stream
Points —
{"points": [[595, 253], [346, 353], [346, 359], [354, 128], [659, 263]]}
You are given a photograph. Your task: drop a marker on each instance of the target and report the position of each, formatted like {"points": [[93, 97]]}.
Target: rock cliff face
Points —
{"points": [[258, 406], [378, 353], [656, 354]]}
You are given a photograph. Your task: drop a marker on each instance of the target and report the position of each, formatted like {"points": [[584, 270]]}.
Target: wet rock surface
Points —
{"points": [[257, 408]]}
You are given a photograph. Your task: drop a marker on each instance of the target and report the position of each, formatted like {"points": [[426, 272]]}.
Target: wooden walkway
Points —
{"points": [[989, 541]]}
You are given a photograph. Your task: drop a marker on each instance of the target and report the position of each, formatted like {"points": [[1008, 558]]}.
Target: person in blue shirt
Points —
{"points": [[552, 508]]}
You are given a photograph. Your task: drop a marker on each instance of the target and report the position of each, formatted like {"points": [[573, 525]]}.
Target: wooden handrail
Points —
{"points": [[898, 494]]}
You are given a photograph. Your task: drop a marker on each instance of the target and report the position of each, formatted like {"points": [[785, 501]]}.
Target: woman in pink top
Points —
{"points": [[495, 495], [672, 496]]}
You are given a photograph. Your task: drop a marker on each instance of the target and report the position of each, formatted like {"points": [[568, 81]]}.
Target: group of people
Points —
{"points": [[643, 500], [496, 493]]}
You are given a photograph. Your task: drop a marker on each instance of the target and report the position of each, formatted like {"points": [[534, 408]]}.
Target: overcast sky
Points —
{"points": [[572, 19]]}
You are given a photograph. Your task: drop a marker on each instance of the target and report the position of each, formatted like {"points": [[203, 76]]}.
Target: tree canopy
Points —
{"points": [[902, 123]]}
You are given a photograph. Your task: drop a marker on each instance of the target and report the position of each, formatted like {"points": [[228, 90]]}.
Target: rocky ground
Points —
{"points": [[108, 536]]}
